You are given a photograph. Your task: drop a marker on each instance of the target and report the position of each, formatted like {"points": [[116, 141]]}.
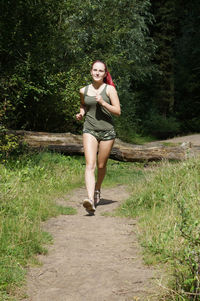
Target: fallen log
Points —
{"points": [[71, 144]]}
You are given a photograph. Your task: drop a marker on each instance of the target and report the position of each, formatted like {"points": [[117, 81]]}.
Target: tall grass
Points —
{"points": [[29, 187], [123, 173], [167, 203]]}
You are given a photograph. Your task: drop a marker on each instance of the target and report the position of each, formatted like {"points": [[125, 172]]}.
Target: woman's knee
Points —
{"points": [[101, 165], [90, 167]]}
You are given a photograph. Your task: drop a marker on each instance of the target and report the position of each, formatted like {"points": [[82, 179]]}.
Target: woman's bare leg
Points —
{"points": [[105, 148], [90, 145]]}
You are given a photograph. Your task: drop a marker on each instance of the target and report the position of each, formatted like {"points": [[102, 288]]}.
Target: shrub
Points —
{"points": [[8, 143], [161, 127]]}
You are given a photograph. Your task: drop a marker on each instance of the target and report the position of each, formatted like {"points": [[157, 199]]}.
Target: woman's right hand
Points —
{"points": [[79, 116]]}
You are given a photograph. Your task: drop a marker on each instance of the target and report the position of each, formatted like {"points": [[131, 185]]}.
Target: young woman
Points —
{"points": [[99, 101]]}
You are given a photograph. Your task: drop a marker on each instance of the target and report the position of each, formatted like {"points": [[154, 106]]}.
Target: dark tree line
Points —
{"points": [[151, 49]]}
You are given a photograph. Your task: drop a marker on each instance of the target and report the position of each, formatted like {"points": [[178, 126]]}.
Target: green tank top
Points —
{"points": [[97, 117]]}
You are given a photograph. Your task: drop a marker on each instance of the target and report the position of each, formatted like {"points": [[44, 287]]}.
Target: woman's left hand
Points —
{"points": [[99, 99]]}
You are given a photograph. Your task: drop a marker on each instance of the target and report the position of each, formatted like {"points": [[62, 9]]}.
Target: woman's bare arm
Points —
{"points": [[80, 115], [114, 107]]}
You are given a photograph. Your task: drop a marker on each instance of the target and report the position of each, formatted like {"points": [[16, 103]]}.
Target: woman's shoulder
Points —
{"points": [[110, 89], [82, 90]]}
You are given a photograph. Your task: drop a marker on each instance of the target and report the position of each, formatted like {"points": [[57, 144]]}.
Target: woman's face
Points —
{"points": [[98, 72]]}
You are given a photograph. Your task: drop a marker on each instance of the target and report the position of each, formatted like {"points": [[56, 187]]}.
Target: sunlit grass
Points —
{"points": [[166, 202], [123, 173], [29, 187]]}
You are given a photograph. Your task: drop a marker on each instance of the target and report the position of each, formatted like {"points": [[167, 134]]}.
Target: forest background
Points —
{"points": [[152, 49]]}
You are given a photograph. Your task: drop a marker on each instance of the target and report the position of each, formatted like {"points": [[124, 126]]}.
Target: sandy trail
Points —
{"points": [[93, 258], [194, 139]]}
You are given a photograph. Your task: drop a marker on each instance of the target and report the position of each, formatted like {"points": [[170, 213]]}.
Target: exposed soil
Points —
{"points": [[193, 139], [93, 258]]}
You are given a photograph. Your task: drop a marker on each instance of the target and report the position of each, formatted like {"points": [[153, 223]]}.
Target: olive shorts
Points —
{"points": [[101, 135]]}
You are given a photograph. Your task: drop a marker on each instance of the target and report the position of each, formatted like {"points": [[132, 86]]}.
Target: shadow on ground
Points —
{"points": [[106, 202]]}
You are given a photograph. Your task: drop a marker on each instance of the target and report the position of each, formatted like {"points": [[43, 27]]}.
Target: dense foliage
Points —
{"points": [[187, 80], [173, 95], [151, 48], [46, 52]]}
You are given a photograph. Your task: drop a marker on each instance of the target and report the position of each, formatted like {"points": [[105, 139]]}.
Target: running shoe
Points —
{"points": [[89, 206], [97, 197]]}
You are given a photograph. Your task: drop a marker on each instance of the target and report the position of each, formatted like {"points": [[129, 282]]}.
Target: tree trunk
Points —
{"points": [[71, 144]]}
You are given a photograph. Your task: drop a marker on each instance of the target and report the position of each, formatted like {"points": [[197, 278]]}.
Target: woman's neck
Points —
{"points": [[96, 86]]}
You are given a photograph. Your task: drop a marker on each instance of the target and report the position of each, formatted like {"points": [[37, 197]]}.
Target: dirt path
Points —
{"points": [[93, 258], [193, 139]]}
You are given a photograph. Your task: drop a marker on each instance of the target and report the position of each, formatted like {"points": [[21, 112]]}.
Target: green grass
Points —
{"points": [[166, 202], [29, 187], [171, 144], [164, 198], [122, 173], [142, 139], [133, 138]]}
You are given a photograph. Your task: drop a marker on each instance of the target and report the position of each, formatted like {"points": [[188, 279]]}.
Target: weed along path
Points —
{"points": [[93, 258]]}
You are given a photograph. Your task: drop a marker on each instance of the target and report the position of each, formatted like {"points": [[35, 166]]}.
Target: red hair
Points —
{"points": [[107, 79]]}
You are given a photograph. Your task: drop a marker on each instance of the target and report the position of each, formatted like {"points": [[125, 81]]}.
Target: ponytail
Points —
{"points": [[107, 79]]}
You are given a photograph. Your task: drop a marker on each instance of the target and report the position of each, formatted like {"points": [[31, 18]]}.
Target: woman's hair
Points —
{"points": [[107, 79]]}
